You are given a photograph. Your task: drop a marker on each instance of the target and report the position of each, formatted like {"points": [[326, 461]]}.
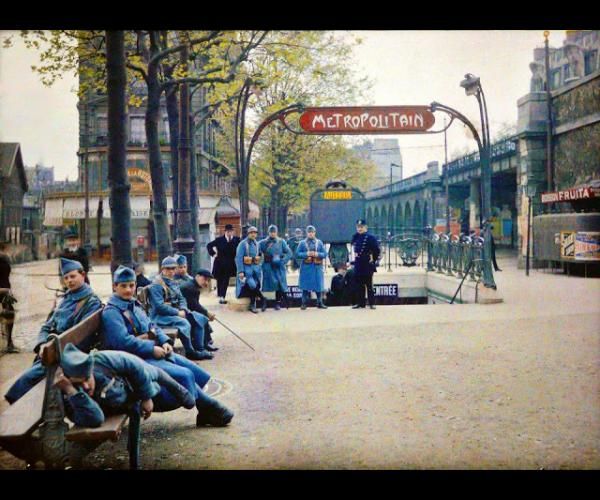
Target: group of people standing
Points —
{"points": [[261, 266]]}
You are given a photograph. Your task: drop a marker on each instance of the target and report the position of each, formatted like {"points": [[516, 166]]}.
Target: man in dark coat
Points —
{"points": [[74, 252], [140, 279], [191, 292], [224, 264], [367, 252]]}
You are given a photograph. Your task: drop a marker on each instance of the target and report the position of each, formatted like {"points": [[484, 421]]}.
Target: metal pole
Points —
{"points": [[86, 227], [447, 179], [528, 236], [389, 232], [184, 243], [549, 172]]}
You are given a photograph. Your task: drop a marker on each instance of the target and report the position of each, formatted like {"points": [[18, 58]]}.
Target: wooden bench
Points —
{"points": [[34, 428], [142, 296]]}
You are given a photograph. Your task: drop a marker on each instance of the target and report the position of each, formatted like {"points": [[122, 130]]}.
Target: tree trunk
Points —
{"points": [[173, 116], [195, 264], [118, 180], [159, 196]]}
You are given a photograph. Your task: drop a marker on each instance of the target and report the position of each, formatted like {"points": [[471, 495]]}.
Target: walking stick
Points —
{"points": [[223, 324]]}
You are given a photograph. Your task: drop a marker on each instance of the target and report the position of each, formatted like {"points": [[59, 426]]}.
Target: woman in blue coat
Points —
{"points": [[276, 254], [312, 252], [247, 263]]}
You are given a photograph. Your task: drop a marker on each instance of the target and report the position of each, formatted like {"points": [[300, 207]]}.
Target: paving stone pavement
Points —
{"points": [[511, 385]]}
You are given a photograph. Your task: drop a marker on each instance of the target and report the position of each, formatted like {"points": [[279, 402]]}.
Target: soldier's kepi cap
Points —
{"points": [[123, 274], [311, 229], [252, 229], [75, 363], [273, 228], [361, 222], [181, 260], [298, 230], [204, 272], [68, 265], [168, 262]]}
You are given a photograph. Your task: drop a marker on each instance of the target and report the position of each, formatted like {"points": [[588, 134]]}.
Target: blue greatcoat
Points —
{"points": [[367, 251], [123, 321], [246, 248], [111, 397], [277, 251], [165, 312], [311, 275], [74, 308]]}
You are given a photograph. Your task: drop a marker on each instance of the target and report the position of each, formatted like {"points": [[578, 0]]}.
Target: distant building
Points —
{"points": [[383, 152], [13, 186]]}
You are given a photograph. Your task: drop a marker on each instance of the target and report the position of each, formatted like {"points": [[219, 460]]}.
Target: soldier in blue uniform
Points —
{"points": [[181, 275], [169, 308], [276, 254], [367, 252], [126, 327], [247, 263], [312, 252], [293, 243], [77, 304], [110, 382], [191, 292]]}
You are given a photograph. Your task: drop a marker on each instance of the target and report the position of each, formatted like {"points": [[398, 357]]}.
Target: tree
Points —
{"points": [[313, 68], [152, 60], [117, 165]]}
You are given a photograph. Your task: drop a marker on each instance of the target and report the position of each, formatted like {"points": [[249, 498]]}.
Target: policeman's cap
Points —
{"points": [[361, 222]]}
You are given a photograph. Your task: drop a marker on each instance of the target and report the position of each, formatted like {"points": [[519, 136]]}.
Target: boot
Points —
{"points": [[303, 307], [180, 393], [210, 348], [198, 355], [320, 305], [263, 306], [211, 412], [277, 306], [252, 306]]}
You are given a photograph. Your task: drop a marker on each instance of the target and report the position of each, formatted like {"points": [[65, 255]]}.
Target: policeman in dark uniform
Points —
{"points": [[367, 252]]}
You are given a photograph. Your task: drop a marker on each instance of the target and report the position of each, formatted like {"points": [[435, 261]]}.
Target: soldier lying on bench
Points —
{"points": [[109, 382], [126, 327], [77, 304]]}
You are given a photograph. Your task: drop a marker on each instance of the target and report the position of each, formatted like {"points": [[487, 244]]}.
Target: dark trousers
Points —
{"points": [[222, 284], [363, 281]]}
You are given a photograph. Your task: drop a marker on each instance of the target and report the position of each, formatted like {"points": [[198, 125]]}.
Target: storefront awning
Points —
{"points": [[53, 212]]}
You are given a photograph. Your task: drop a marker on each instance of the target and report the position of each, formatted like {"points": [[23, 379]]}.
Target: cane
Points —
{"points": [[223, 324]]}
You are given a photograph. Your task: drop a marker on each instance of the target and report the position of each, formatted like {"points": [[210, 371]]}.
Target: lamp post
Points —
{"points": [[472, 86], [446, 178], [530, 192]]}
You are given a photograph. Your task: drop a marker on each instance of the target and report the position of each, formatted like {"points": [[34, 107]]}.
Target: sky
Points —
{"points": [[407, 68]]}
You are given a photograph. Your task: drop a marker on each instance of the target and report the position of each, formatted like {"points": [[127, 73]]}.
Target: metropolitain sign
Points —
{"points": [[367, 120]]}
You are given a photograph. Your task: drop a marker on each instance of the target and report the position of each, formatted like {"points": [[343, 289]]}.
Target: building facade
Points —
{"points": [[13, 186], [384, 153]]}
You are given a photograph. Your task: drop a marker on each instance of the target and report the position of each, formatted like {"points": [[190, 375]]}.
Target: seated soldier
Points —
{"points": [[337, 293], [77, 304], [181, 275], [191, 292], [140, 279], [126, 327], [169, 308], [110, 382]]}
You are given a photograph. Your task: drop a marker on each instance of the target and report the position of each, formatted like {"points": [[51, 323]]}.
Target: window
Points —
{"points": [[165, 134], [566, 72], [138, 132], [555, 79], [591, 61], [102, 125]]}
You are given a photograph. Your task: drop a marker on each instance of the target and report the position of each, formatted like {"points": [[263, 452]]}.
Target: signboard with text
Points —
{"points": [[367, 120], [575, 194]]}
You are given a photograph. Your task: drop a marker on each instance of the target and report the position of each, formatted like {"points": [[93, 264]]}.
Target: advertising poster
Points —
{"points": [[587, 246]]}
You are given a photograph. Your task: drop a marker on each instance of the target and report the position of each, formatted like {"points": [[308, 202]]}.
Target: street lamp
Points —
{"points": [[530, 191], [472, 86]]}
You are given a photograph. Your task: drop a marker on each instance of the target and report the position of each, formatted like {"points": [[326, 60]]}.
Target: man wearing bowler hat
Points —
{"points": [[367, 252], [191, 292], [223, 249]]}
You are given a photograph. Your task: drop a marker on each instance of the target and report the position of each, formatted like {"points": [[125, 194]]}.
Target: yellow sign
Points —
{"points": [[140, 174], [337, 195]]}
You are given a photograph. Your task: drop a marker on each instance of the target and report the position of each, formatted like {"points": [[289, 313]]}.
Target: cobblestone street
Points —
{"points": [[511, 385]]}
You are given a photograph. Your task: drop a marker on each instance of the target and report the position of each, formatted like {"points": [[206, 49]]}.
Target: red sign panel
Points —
{"points": [[574, 194], [367, 120]]}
